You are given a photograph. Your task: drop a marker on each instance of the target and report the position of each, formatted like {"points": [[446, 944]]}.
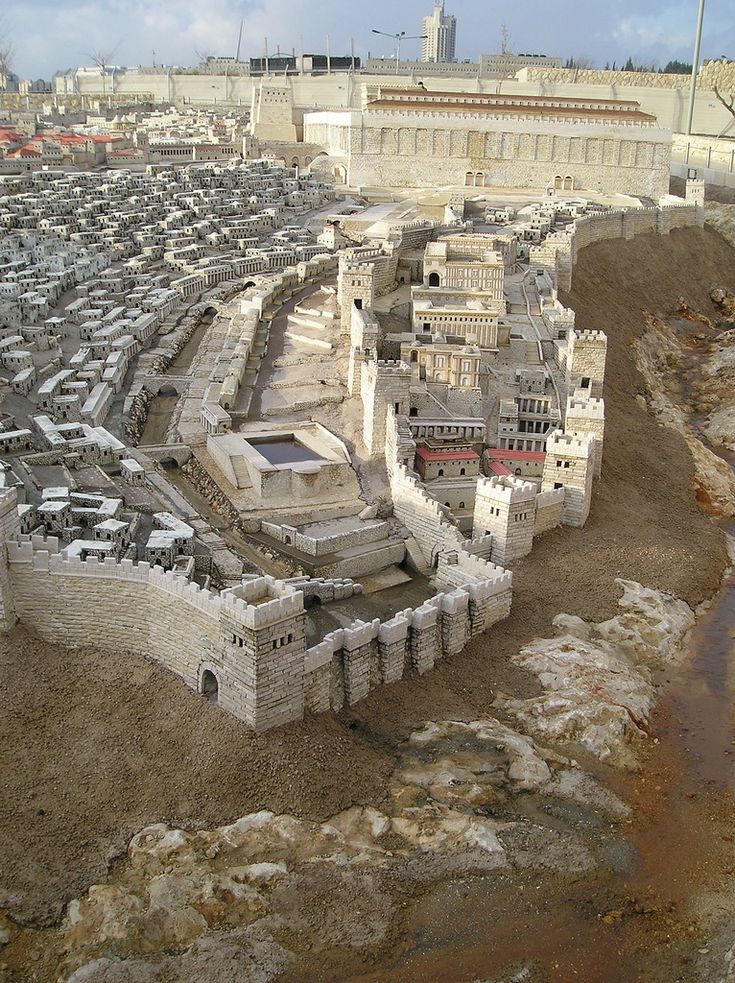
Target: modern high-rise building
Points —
{"points": [[440, 34]]}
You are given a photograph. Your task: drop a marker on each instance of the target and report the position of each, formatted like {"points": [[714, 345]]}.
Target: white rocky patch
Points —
{"points": [[597, 678]]}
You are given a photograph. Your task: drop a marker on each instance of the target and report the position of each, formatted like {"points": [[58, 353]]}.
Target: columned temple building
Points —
{"points": [[414, 138]]}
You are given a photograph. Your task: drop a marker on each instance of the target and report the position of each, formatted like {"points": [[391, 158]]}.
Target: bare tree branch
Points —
{"points": [[102, 59], [504, 39], [7, 51], [729, 106]]}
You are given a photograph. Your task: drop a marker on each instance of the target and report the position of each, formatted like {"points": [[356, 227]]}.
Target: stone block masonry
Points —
{"points": [[586, 414], [384, 385], [348, 663], [504, 510], [586, 359], [549, 508], [244, 648], [355, 288], [427, 521], [9, 531], [431, 148], [569, 464], [615, 224]]}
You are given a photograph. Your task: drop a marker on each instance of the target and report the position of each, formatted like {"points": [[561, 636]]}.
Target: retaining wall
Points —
{"points": [[623, 224], [367, 532]]}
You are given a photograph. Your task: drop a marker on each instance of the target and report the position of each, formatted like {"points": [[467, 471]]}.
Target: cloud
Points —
{"points": [[49, 35]]}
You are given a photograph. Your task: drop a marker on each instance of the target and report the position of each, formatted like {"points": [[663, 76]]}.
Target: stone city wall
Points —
{"points": [[599, 76], [349, 662], [549, 507], [115, 606], [457, 568], [672, 217], [135, 607], [618, 224], [431, 524]]}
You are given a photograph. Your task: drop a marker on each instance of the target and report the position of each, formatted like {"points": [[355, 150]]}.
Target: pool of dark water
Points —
{"points": [[284, 450]]}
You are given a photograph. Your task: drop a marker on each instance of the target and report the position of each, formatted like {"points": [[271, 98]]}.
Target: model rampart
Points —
{"points": [[616, 224], [246, 644], [349, 662]]}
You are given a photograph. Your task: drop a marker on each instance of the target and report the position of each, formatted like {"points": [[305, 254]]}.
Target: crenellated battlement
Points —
{"points": [[250, 639], [590, 336], [507, 489], [262, 603], [581, 404], [384, 366], [561, 444]]}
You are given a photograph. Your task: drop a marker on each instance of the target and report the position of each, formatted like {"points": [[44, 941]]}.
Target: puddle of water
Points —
{"points": [[284, 450]]}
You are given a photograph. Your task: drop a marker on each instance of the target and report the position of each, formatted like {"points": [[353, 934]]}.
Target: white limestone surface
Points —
{"points": [[598, 678]]}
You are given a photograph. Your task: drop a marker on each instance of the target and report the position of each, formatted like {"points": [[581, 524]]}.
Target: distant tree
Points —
{"points": [[578, 63], [504, 39], [102, 60], [203, 55], [7, 51], [677, 68], [629, 66]]}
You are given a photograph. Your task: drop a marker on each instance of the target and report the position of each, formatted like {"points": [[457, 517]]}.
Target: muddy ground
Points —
{"points": [[96, 747]]}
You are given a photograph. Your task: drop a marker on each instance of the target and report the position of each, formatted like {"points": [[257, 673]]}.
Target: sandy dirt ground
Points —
{"points": [[96, 747]]}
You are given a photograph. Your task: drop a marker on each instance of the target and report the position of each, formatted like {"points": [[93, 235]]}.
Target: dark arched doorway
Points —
{"points": [[434, 280], [210, 686]]}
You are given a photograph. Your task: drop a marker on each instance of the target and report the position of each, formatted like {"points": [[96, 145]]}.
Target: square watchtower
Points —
{"points": [[263, 641]]}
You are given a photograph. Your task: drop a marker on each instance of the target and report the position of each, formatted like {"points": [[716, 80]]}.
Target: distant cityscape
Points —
{"points": [[438, 52]]}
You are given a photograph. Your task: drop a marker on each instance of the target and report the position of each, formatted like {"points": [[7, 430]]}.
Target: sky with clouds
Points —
{"points": [[49, 35]]}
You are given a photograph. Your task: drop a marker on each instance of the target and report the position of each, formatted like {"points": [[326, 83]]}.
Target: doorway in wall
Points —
{"points": [[210, 686]]}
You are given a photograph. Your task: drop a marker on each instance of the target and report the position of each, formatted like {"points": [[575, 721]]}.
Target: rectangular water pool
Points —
{"points": [[283, 450]]}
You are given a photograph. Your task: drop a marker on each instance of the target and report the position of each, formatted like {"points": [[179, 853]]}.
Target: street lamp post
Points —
{"points": [[400, 36], [695, 66]]}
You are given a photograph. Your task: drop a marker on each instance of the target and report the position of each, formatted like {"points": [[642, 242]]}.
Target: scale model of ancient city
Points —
{"points": [[367, 507], [333, 373]]}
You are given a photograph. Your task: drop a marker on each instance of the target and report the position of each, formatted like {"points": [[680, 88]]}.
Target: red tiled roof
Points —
{"points": [[26, 151], [448, 455], [498, 469], [496, 454]]}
